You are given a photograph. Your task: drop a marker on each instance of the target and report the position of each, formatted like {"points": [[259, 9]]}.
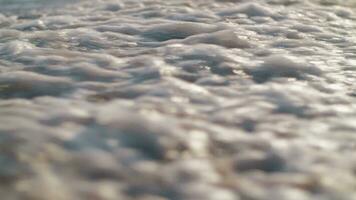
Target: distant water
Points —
{"points": [[28, 5]]}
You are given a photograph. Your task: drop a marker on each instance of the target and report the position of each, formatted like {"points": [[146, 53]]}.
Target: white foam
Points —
{"points": [[14, 48], [178, 30], [225, 38], [249, 9], [178, 99], [280, 66]]}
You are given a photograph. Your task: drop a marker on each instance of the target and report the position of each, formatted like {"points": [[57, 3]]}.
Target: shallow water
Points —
{"points": [[181, 100]]}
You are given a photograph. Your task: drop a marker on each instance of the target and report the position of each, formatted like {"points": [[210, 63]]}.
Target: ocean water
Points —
{"points": [[177, 100], [28, 6]]}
